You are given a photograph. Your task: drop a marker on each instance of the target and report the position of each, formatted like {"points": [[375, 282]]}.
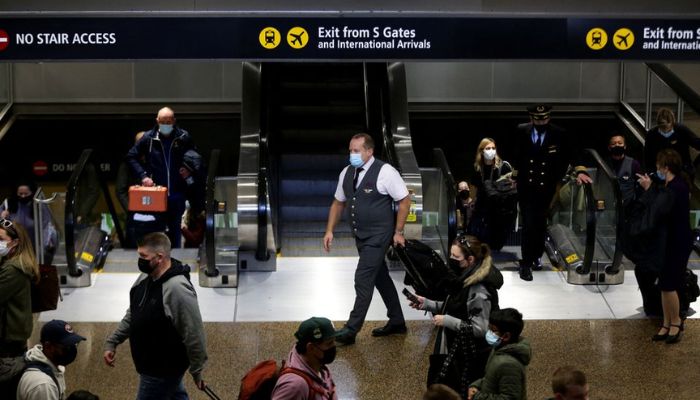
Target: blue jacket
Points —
{"points": [[162, 158]]}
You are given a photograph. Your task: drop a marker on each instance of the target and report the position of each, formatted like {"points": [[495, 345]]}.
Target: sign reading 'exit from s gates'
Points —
{"points": [[346, 38]]}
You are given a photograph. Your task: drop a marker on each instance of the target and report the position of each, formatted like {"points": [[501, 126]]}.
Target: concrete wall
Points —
{"points": [[220, 81]]}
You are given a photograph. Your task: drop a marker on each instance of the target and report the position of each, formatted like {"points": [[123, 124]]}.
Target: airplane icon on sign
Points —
{"points": [[297, 38], [623, 39]]}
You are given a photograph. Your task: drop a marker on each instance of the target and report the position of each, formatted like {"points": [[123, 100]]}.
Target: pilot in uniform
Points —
{"points": [[542, 162]]}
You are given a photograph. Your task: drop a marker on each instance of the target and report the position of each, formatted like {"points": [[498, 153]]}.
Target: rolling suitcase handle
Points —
{"points": [[210, 393]]}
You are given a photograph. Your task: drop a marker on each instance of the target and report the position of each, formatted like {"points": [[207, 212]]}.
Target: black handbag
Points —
{"points": [[443, 368], [690, 285], [502, 192]]}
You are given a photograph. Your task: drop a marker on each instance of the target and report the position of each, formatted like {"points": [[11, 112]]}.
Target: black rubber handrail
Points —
{"points": [[685, 92], [261, 251], [619, 210], [441, 163], [211, 207], [69, 219], [589, 250]]}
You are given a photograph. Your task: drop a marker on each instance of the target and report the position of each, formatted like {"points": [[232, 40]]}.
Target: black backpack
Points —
{"points": [[425, 269], [11, 371]]}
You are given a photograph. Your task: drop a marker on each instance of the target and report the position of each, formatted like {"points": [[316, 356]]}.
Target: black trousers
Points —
{"points": [[534, 211], [372, 272]]}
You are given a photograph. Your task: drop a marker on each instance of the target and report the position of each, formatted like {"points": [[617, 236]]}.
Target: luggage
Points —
{"points": [[425, 269], [91, 247], [148, 198]]}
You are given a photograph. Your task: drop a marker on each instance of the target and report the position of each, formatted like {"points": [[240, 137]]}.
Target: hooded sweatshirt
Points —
{"points": [[291, 386], [163, 325], [505, 373], [36, 384]]}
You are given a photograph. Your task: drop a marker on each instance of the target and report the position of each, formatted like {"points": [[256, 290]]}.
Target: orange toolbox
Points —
{"points": [[148, 198]]}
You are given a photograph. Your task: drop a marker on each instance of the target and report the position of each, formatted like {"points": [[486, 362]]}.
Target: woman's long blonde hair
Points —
{"points": [[23, 252], [478, 158]]}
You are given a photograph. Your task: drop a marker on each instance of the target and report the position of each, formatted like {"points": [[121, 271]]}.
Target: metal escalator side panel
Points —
{"points": [[249, 158], [400, 136]]}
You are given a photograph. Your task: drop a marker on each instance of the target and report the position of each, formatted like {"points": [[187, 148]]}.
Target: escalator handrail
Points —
{"points": [[261, 250], [441, 163], [685, 92], [589, 251], [69, 225], [71, 190], [617, 193], [211, 206]]}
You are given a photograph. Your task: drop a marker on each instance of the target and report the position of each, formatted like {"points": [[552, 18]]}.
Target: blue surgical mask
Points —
{"points": [[660, 175], [666, 134], [165, 129], [356, 160], [492, 339]]}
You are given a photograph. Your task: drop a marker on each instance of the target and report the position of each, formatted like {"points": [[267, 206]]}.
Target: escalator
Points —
{"points": [[311, 112], [297, 122], [584, 231]]}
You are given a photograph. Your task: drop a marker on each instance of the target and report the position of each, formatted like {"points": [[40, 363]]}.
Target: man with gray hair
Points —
{"points": [[163, 324]]}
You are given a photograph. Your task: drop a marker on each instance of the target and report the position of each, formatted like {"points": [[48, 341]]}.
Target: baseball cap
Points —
{"points": [[316, 329], [57, 331]]}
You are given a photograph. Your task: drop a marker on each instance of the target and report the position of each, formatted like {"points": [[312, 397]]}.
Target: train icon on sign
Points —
{"points": [[269, 38]]}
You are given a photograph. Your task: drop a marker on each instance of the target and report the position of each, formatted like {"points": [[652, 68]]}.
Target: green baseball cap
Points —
{"points": [[316, 329]]}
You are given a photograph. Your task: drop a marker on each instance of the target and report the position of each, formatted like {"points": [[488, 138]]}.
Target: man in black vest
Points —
{"points": [[545, 154], [163, 324], [366, 191]]}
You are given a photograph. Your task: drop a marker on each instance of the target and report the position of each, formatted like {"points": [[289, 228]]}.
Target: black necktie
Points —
{"points": [[357, 175]]}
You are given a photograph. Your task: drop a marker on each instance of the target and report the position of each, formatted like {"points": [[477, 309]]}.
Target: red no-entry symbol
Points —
{"points": [[4, 40], [40, 168]]}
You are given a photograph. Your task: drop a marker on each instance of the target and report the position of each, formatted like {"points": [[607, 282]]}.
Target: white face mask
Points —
{"points": [[4, 249], [489, 154]]}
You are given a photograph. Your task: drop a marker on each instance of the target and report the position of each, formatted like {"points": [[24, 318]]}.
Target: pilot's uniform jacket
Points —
{"points": [[539, 168]]}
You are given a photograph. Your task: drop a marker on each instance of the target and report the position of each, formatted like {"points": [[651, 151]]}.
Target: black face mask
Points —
{"points": [[541, 128], [67, 356], [463, 194], [617, 150], [145, 266], [328, 355], [455, 267], [24, 200]]}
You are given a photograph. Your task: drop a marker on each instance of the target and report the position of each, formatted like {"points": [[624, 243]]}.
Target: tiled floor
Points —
{"points": [[601, 331], [302, 287]]}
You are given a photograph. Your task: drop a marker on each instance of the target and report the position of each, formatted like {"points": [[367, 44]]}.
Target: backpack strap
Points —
{"points": [[45, 369], [313, 388]]}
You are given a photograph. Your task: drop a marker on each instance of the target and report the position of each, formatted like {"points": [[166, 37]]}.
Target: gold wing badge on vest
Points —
{"points": [[368, 190]]}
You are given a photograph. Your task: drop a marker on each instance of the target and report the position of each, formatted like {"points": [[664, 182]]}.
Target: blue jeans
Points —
{"points": [[154, 388]]}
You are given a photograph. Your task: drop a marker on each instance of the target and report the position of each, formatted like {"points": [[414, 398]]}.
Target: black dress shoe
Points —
{"points": [[537, 265], [525, 273], [660, 337], [388, 329], [671, 339], [345, 337]]}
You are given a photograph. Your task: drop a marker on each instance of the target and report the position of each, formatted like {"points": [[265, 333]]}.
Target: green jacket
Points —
{"points": [[15, 302], [504, 378]]}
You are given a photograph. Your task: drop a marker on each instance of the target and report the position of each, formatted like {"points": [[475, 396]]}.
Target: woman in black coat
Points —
{"points": [[675, 237]]}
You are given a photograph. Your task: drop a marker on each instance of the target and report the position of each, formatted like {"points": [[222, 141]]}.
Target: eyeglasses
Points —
{"points": [[5, 223]]}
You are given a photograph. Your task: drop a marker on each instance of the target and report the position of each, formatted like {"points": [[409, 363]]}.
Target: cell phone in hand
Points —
{"points": [[412, 297]]}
